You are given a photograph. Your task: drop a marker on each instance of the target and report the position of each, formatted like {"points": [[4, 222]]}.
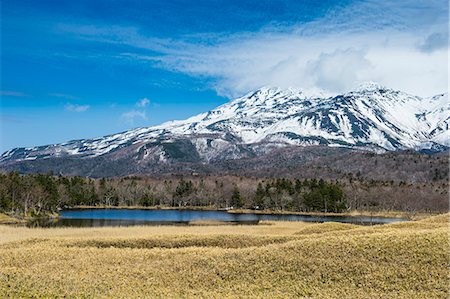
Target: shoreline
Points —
{"points": [[354, 213], [6, 219]]}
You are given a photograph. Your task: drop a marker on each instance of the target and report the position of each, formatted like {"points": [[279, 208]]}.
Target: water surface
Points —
{"points": [[126, 217]]}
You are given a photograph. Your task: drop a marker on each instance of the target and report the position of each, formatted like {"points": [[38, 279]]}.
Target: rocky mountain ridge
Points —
{"points": [[371, 118]]}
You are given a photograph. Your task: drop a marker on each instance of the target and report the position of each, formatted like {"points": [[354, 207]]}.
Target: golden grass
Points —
{"points": [[6, 219], [280, 260], [209, 222], [325, 228]]}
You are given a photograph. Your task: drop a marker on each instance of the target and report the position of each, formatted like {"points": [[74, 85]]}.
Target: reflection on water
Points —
{"points": [[127, 217]]}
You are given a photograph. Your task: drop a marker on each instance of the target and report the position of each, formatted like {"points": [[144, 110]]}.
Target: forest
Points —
{"points": [[40, 194], [35, 194]]}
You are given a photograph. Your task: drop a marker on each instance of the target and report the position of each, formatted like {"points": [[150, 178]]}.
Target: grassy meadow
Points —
{"points": [[272, 260]]}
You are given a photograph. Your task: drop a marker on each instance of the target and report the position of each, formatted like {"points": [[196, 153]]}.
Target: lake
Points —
{"points": [[127, 217]]}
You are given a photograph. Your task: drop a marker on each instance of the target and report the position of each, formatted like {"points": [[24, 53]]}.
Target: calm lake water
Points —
{"points": [[126, 217]]}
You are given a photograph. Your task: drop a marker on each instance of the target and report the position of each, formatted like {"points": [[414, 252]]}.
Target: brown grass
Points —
{"points": [[281, 260], [6, 219], [325, 228]]}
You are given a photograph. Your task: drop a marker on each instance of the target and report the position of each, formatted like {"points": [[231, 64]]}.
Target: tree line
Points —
{"points": [[36, 194]]}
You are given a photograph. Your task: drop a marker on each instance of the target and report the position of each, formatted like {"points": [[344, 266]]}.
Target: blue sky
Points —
{"points": [[81, 69]]}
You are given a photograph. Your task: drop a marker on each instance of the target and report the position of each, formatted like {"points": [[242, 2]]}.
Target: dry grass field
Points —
{"points": [[271, 260], [5, 219]]}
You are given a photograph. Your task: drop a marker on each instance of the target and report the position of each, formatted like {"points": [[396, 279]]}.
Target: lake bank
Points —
{"points": [[6, 219], [97, 217], [241, 216]]}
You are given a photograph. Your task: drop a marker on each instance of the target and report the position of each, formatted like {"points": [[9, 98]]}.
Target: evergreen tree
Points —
{"points": [[259, 196], [236, 198]]}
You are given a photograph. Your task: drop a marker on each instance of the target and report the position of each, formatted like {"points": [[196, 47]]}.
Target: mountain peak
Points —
{"points": [[370, 86], [310, 93], [275, 117]]}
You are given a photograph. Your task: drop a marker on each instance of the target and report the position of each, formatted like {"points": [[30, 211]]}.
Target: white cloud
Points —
{"points": [[335, 63], [130, 116], [76, 108], [143, 103], [64, 95], [433, 42], [339, 70], [400, 44]]}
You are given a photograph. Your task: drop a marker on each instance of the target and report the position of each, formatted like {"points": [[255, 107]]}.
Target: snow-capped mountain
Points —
{"points": [[372, 117]]}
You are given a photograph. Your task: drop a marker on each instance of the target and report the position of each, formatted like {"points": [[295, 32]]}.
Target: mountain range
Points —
{"points": [[371, 118]]}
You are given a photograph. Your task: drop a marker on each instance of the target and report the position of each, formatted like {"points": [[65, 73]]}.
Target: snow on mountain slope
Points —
{"points": [[372, 117], [437, 119]]}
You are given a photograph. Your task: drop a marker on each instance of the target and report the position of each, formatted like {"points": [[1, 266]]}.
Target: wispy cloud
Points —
{"points": [[76, 108], [64, 96], [10, 93], [434, 42], [131, 116], [401, 44], [12, 119], [334, 62], [143, 103]]}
